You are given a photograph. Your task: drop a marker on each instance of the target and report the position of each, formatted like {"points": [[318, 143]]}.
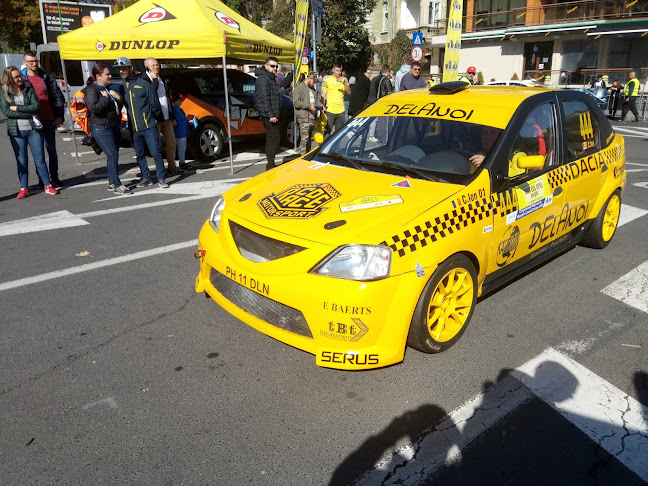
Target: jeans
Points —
{"points": [[35, 141], [273, 138], [109, 139], [631, 105], [182, 148], [346, 111], [150, 135], [49, 132]]}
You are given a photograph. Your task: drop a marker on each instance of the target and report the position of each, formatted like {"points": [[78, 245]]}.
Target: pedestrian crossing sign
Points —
{"points": [[417, 38]]}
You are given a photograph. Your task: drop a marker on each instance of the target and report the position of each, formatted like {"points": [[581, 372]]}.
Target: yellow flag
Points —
{"points": [[453, 42], [301, 20]]}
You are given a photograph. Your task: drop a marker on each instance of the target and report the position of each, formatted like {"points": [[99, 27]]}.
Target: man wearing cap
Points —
{"points": [[304, 96], [143, 108], [469, 77]]}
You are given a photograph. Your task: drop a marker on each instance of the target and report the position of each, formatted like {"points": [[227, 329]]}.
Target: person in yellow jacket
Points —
{"points": [[469, 77], [630, 100]]}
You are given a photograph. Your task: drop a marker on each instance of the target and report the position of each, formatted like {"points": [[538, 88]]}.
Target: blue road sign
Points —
{"points": [[417, 38]]}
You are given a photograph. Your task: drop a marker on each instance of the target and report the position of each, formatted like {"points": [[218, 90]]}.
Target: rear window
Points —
{"points": [[583, 137]]}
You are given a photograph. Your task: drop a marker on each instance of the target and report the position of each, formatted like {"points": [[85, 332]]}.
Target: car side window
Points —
{"points": [[537, 137], [582, 128]]}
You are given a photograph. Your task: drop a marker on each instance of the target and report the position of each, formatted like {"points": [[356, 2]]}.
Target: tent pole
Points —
{"points": [[229, 123], [67, 96], [295, 77]]}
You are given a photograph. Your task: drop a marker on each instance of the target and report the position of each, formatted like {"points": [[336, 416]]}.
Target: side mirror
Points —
{"points": [[529, 161]]}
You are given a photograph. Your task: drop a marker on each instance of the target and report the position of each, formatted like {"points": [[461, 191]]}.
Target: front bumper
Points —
{"points": [[345, 324]]}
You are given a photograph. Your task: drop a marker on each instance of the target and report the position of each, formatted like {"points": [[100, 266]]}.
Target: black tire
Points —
{"points": [[207, 143], [287, 138], [438, 324], [603, 228]]}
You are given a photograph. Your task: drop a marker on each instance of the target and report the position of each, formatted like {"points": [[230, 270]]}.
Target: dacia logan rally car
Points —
{"points": [[387, 234]]}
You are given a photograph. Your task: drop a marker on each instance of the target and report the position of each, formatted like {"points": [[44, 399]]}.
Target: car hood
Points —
{"points": [[333, 205]]}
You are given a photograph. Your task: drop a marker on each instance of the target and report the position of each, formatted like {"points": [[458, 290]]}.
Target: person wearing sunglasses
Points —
{"points": [[413, 79], [268, 103]]}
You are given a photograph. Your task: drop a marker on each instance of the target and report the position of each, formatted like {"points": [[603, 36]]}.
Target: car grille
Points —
{"points": [[258, 248], [266, 309]]}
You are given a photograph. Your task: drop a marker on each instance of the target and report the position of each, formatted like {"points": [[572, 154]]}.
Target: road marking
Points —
{"points": [[65, 219], [635, 163], [59, 219], [631, 129], [96, 265], [632, 288], [607, 415], [630, 213]]}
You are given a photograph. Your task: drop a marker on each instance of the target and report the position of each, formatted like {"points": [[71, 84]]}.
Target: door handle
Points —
{"points": [[557, 191]]}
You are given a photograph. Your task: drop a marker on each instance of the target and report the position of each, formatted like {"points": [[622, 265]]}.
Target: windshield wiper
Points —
{"points": [[410, 170], [349, 161]]}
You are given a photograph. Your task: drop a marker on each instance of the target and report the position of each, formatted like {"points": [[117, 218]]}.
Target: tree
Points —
{"points": [[282, 19], [399, 50], [20, 24], [344, 36]]}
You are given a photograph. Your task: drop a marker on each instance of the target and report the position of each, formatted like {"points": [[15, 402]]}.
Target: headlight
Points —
{"points": [[215, 217], [356, 262]]}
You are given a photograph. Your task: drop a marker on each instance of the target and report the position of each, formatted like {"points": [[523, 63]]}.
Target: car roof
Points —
{"points": [[484, 105]]}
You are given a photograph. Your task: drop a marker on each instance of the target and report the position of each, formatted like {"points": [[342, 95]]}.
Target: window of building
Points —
{"points": [[582, 130], [385, 16], [434, 11]]}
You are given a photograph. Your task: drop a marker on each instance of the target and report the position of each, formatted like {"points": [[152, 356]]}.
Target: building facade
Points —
{"points": [[555, 42]]}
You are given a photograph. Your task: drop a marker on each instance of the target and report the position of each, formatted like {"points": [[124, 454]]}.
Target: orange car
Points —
{"points": [[203, 95]]}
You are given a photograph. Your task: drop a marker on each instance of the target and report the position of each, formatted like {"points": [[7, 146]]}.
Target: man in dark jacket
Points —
{"points": [[165, 120], [380, 85], [50, 111], [359, 93], [268, 103], [143, 107]]}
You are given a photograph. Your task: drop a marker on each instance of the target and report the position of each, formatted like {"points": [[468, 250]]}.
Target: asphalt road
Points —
{"points": [[113, 371]]}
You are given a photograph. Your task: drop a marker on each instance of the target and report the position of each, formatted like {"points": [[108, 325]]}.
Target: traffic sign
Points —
{"points": [[417, 53], [417, 38], [305, 60]]}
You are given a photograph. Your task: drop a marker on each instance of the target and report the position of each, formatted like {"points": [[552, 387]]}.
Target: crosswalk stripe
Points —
{"points": [[607, 415], [631, 289]]}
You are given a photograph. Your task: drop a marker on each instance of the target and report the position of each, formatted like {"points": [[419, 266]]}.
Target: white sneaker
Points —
{"points": [[123, 190]]}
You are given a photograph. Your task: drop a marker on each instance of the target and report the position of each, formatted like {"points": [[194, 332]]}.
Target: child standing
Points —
{"points": [[181, 131]]}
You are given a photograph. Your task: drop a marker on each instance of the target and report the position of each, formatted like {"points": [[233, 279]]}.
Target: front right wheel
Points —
{"points": [[603, 228], [445, 306]]}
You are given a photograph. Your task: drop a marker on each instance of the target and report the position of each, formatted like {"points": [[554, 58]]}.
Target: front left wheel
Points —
{"points": [[445, 306]]}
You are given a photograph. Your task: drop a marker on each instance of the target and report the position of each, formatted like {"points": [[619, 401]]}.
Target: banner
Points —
{"points": [[301, 21], [453, 42], [72, 16]]}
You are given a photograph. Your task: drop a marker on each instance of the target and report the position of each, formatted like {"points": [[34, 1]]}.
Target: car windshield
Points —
{"points": [[424, 148]]}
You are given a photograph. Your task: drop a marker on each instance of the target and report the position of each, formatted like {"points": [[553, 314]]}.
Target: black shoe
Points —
{"points": [[270, 166], [56, 182], [40, 184], [185, 167]]}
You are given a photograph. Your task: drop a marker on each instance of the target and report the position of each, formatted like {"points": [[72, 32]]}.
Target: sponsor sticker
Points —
{"points": [[155, 15], [488, 229], [521, 213], [299, 201], [403, 183], [344, 331], [367, 202], [317, 165]]}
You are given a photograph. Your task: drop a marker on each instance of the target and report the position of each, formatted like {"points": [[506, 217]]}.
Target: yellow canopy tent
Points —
{"points": [[176, 30]]}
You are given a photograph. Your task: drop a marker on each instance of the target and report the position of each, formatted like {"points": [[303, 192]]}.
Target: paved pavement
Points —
{"points": [[113, 371]]}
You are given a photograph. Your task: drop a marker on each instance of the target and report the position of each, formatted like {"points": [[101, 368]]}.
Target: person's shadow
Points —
{"points": [[408, 427]]}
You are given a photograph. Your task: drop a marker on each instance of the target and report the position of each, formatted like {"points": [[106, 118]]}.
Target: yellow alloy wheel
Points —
{"points": [[450, 305], [611, 217]]}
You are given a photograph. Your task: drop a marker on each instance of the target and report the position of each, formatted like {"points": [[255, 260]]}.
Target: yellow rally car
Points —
{"points": [[389, 232]]}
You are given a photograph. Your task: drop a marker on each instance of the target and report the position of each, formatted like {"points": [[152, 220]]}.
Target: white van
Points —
{"points": [[77, 72]]}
